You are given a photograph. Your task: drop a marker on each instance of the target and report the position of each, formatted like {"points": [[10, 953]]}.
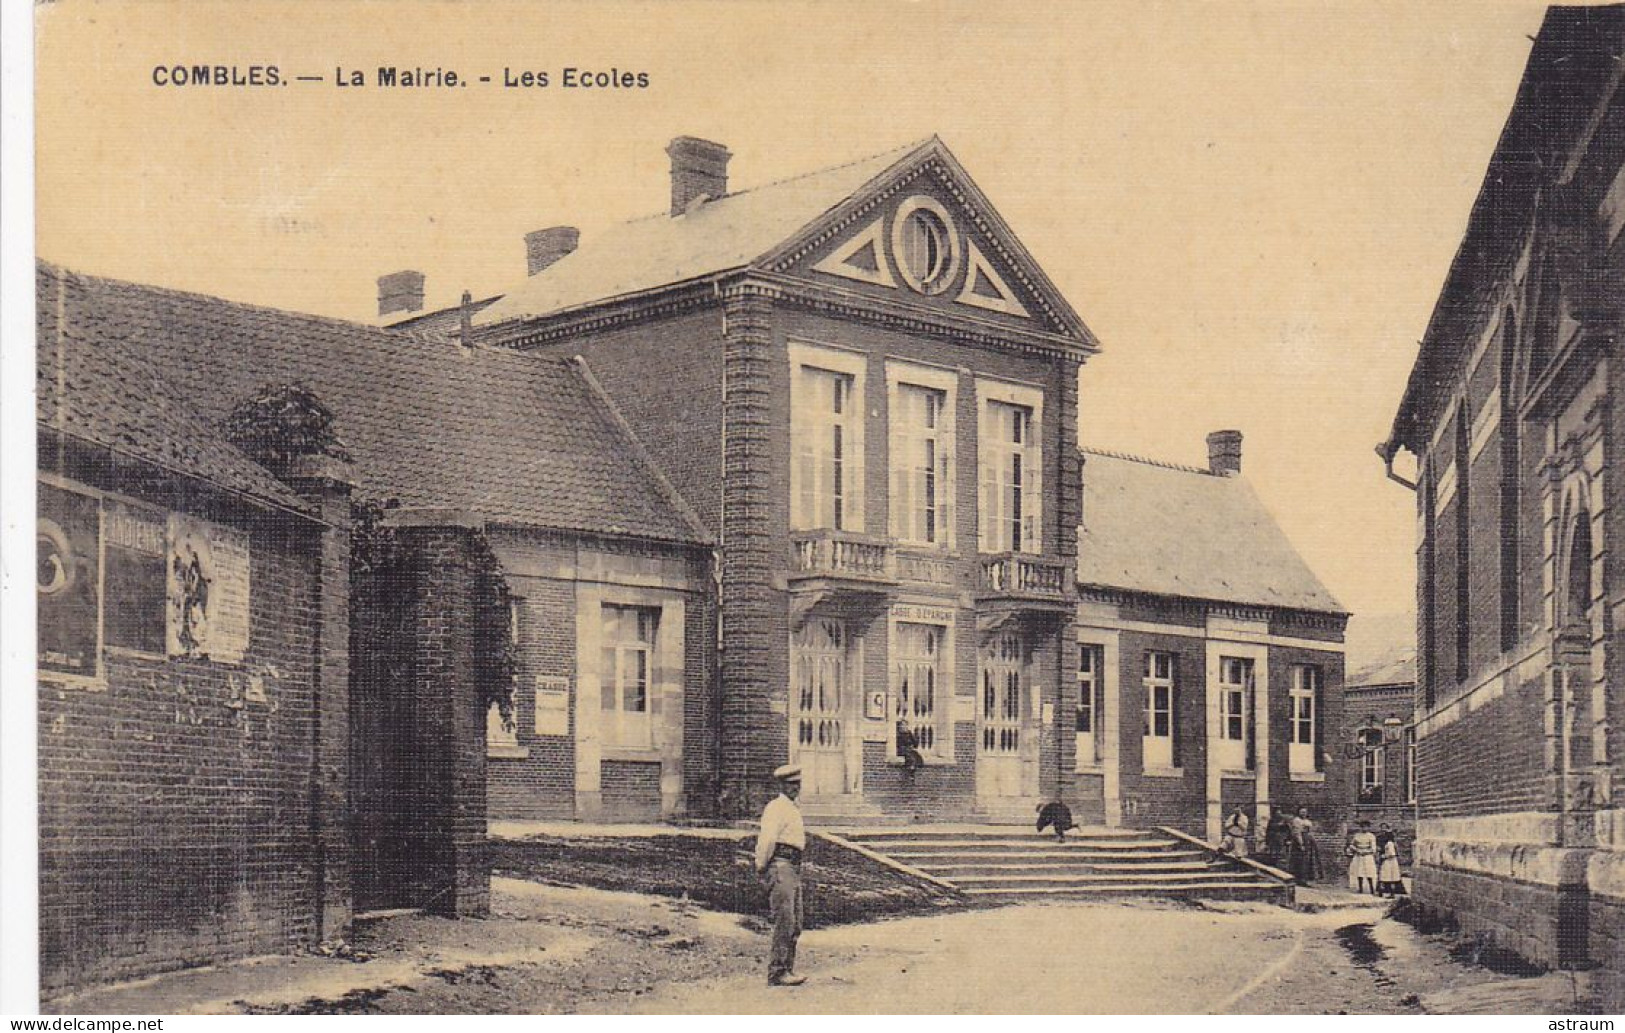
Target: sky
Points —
{"points": [[1253, 206]]}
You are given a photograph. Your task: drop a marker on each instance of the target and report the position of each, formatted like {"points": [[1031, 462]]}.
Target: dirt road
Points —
{"points": [[549, 949]]}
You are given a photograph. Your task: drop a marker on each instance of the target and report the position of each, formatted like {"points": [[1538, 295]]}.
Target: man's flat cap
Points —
{"points": [[788, 773]]}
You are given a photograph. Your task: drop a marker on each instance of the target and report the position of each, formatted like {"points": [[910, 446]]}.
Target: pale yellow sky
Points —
{"points": [[1253, 206]]}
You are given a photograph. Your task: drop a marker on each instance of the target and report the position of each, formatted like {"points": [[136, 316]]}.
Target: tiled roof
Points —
{"points": [[95, 391], [660, 250], [1391, 670], [512, 438], [1171, 530]]}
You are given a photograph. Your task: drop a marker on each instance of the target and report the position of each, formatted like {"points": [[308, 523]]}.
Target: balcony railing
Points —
{"points": [[1025, 576], [842, 555]]}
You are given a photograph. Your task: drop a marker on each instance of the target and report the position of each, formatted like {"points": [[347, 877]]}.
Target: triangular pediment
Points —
{"points": [[921, 233]]}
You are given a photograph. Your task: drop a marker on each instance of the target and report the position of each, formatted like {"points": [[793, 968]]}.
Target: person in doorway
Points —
{"points": [[1362, 855], [1237, 834], [1390, 883], [1055, 815], [908, 748], [779, 847], [1277, 835], [1303, 856]]}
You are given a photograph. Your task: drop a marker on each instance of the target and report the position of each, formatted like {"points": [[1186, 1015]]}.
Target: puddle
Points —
{"points": [[1362, 947], [1496, 959], [1361, 944]]}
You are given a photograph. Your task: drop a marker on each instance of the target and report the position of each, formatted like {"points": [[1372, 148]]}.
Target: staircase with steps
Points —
{"points": [[1008, 862]]}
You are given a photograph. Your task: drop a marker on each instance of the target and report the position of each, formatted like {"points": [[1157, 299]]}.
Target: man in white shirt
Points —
{"points": [[779, 847]]}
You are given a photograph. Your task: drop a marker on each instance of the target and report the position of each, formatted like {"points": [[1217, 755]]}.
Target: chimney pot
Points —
{"points": [[699, 168], [544, 247], [400, 292], [1224, 453]]}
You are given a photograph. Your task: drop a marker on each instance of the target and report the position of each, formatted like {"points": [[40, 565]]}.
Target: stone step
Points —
{"points": [[960, 832], [1014, 856], [1136, 846], [1239, 890], [1111, 878], [1012, 862], [963, 867]]}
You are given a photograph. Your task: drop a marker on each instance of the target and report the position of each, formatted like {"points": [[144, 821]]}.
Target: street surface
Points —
{"points": [[551, 949]]}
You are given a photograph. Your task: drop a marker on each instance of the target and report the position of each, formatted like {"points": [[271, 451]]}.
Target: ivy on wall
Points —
{"points": [[282, 422], [496, 654], [384, 573]]}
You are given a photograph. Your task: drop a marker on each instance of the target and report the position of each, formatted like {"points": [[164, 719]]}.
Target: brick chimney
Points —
{"points": [[544, 247], [1224, 453], [400, 292], [699, 168]]}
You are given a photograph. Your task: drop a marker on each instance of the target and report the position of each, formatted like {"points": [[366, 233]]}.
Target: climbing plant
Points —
{"points": [[384, 575], [282, 422]]}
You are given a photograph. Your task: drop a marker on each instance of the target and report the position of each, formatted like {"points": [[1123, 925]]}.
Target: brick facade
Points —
{"points": [[1193, 793], [545, 767], [184, 802], [707, 379], [1393, 801], [1520, 835]]}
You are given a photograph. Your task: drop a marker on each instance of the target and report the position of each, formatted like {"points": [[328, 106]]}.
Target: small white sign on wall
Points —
{"points": [[552, 705]]}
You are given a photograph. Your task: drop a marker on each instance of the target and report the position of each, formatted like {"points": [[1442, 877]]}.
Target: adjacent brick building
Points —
{"points": [[1210, 662], [206, 801], [1510, 412], [189, 739], [1379, 741]]}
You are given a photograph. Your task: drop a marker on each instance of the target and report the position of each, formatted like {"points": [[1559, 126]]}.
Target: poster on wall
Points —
{"points": [[208, 590], [67, 576]]}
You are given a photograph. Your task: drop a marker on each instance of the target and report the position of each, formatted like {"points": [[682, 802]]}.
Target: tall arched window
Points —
{"points": [[1577, 593]]}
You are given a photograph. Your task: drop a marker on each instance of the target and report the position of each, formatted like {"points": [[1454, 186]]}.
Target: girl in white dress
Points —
{"points": [[1362, 852]]}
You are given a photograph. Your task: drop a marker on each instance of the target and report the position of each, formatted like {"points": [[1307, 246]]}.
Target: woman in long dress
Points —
{"points": [[1390, 883], [1362, 854], [1303, 857]]}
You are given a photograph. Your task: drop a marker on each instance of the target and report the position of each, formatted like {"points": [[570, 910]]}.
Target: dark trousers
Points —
{"points": [[784, 903]]}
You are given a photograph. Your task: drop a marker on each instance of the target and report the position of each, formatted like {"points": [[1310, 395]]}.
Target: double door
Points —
{"points": [[1006, 734], [823, 691]]}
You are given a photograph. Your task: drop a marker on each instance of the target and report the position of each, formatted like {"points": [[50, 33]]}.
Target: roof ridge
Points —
{"points": [[1145, 460], [181, 293], [810, 173]]}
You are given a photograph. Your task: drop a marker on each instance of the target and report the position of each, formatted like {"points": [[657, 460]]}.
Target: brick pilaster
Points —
{"points": [[327, 483], [451, 722], [752, 613]]}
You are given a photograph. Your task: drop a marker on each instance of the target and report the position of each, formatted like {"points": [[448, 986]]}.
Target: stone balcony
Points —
{"points": [[845, 556], [1021, 581], [843, 569]]}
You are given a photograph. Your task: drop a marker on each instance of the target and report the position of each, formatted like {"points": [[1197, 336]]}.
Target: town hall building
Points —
{"points": [[782, 473]]}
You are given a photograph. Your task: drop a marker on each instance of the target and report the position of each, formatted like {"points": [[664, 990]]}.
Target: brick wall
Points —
{"points": [[176, 808], [666, 378], [418, 754], [1180, 802], [1489, 761], [752, 613], [542, 784], [545, 571]]}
